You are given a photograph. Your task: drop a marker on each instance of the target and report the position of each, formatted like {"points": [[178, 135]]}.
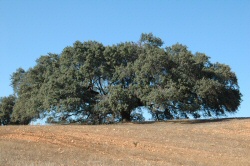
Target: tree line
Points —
{"points": [[103, 84]]}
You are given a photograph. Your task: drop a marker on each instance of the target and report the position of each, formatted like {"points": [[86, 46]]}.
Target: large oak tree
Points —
{"points": [[100, 83]]}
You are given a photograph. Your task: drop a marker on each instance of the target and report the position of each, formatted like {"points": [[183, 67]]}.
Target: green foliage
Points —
{"points": [[150, 40], [102, 84], [6, 109]]}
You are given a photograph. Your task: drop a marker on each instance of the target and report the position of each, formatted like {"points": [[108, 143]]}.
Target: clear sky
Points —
{"points": [[218, 28]]}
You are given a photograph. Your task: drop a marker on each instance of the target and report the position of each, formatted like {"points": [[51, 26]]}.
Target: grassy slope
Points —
{"points": [[212, 142]]}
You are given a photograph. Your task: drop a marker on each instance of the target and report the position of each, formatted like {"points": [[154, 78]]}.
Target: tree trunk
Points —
{"points": [[168, 114], [126, 116]]}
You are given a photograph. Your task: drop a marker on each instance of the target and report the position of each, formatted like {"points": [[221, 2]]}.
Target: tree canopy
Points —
{"points": [[103, 84]]}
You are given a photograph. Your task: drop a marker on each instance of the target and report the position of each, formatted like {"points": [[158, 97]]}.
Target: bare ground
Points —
{"points": [[211, 142]]}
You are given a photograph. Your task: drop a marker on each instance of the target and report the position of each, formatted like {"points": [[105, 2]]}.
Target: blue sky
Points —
{"points": [[218, 28]]}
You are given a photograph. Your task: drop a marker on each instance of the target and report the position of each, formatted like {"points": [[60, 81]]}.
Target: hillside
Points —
{"points": [[211, 142]]}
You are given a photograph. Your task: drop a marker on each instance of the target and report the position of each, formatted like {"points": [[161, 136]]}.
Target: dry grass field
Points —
{"points": [[210, 142]]}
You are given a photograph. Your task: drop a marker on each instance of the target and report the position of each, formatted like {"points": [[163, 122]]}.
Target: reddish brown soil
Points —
{"points": [[222, 142]]}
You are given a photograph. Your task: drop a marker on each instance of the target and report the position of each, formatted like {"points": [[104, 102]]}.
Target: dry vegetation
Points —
{"points": [[218, 142]]}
